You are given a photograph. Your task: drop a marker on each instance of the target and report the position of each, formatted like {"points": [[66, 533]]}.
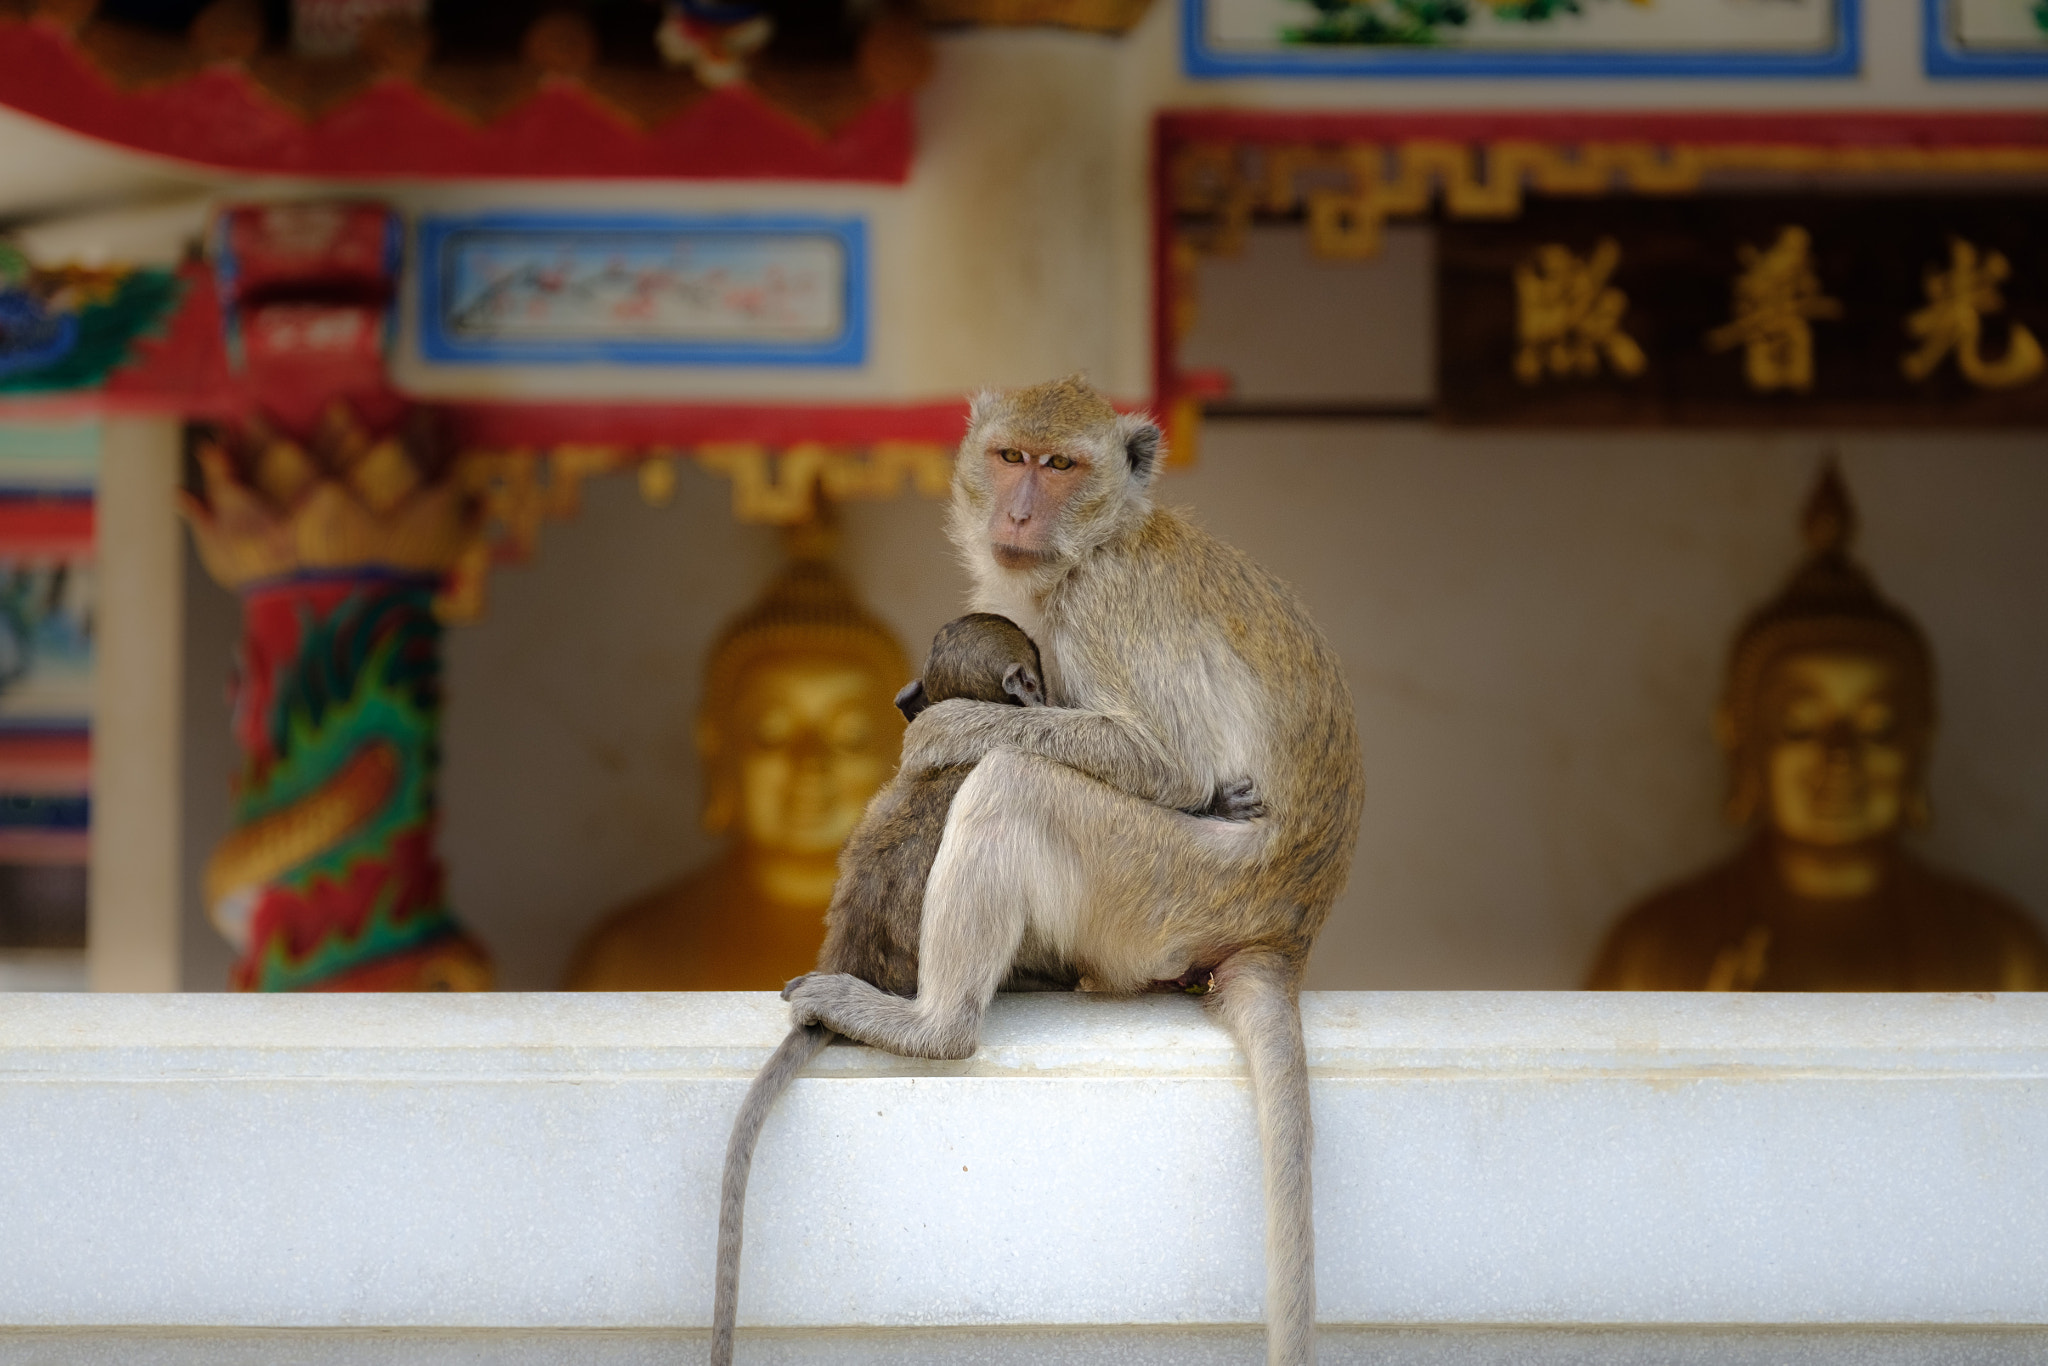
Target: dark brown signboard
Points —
{"points": [[1737, 310]]}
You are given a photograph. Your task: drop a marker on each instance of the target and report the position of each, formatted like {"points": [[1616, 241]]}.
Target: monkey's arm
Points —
{"points": [[1111, 748]]}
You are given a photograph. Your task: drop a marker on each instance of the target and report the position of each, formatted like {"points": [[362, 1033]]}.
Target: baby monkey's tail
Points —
{"points": [[803, 1043]]}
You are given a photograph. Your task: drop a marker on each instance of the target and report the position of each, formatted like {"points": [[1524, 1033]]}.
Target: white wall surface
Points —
{"points": [[1505, 1178]]}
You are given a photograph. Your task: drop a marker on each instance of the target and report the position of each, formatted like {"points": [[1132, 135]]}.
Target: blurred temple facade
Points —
{"points": [[472, 476]]}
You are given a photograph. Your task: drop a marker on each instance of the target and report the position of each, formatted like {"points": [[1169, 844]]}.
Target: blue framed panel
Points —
{"points": [[1209, 52], [1951, 51], [643, 289]]}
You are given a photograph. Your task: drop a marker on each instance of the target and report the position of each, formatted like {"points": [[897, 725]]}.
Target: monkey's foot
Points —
{"points": [[849, 1006], [1236, 801]]}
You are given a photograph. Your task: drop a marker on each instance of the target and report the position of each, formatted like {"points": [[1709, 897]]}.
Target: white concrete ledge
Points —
{"points": [[1549, 1176]]}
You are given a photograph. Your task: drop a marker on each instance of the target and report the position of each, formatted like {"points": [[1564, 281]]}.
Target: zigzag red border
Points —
{"points": [[220, 117]]}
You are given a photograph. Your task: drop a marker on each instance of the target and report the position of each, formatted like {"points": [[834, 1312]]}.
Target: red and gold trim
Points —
{"points": [[235, 107], [1345, 175]]}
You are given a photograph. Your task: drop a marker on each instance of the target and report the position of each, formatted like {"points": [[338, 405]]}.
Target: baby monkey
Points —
{"points": [[872, 927], [877, 906]]}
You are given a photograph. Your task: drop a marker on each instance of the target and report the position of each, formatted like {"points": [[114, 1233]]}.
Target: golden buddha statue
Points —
{"points": [[798, 729], [1826, 719]]}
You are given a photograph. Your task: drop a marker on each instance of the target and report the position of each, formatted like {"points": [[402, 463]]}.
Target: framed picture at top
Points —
{"points": [[1998, 39], [1322, 38], [643, 289]]}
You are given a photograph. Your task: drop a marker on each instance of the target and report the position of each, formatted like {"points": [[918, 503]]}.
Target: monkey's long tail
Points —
{"points": [[1258, 998], [796, 1050]]}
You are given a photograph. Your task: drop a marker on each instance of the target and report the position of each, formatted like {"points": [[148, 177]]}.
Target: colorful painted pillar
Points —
{"points": [[330, 880], [333, 509]]}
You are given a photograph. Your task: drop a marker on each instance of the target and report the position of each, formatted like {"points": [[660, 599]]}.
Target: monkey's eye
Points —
{"points": [[1059, 462], [1010, 457]]}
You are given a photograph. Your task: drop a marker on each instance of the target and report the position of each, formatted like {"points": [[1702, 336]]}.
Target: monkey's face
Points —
{"points": [[1032, 489], [1048, 473]]}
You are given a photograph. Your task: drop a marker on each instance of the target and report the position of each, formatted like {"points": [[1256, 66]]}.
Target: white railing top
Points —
{"points": [[550, 1161], [723, 1034]]}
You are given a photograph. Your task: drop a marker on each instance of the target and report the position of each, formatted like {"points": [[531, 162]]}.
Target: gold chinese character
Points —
{"points": [[1567, 315], [1957, 300], [1776, 296]]}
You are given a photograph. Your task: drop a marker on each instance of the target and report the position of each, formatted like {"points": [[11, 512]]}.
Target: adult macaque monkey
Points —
{"points": [[1177, 669]]}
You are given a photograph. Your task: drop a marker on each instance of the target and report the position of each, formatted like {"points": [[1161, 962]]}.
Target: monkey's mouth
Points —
{"points": [[1019, 557]]}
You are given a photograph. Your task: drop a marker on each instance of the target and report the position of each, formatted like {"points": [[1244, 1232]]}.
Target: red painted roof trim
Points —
{"points": [[538, 426], [221, 117]]}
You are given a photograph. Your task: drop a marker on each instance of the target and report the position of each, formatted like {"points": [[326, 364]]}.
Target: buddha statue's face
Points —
{"points": [[1840, 751], [816, 737]]}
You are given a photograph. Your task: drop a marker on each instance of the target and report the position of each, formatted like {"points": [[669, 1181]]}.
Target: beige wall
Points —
{"points": [[132, 927], [1533, 628]]}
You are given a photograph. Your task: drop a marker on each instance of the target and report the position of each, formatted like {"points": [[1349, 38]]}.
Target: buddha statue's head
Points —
{"points": [[798, 728], [1829, 706]]}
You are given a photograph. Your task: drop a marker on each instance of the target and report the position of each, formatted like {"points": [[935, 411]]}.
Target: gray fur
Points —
{"points": [[798, 1047], [872, 926], [1178, 669]]}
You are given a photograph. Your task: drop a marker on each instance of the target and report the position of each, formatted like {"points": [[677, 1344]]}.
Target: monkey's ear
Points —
{"points": [[1141, 444], [1023, 686], [911, 700], [978, 406]]}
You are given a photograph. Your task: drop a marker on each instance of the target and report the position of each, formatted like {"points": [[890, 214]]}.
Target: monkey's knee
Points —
{"points": [[846, 1005], [1002, 818], [947, 1036]]}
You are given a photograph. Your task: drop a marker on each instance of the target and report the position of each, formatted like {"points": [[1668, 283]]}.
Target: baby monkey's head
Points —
{"points": [[980, 656]]}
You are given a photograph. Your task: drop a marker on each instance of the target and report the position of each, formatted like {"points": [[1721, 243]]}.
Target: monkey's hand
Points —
{"points": [[1235, 801], [1113, 749]]}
